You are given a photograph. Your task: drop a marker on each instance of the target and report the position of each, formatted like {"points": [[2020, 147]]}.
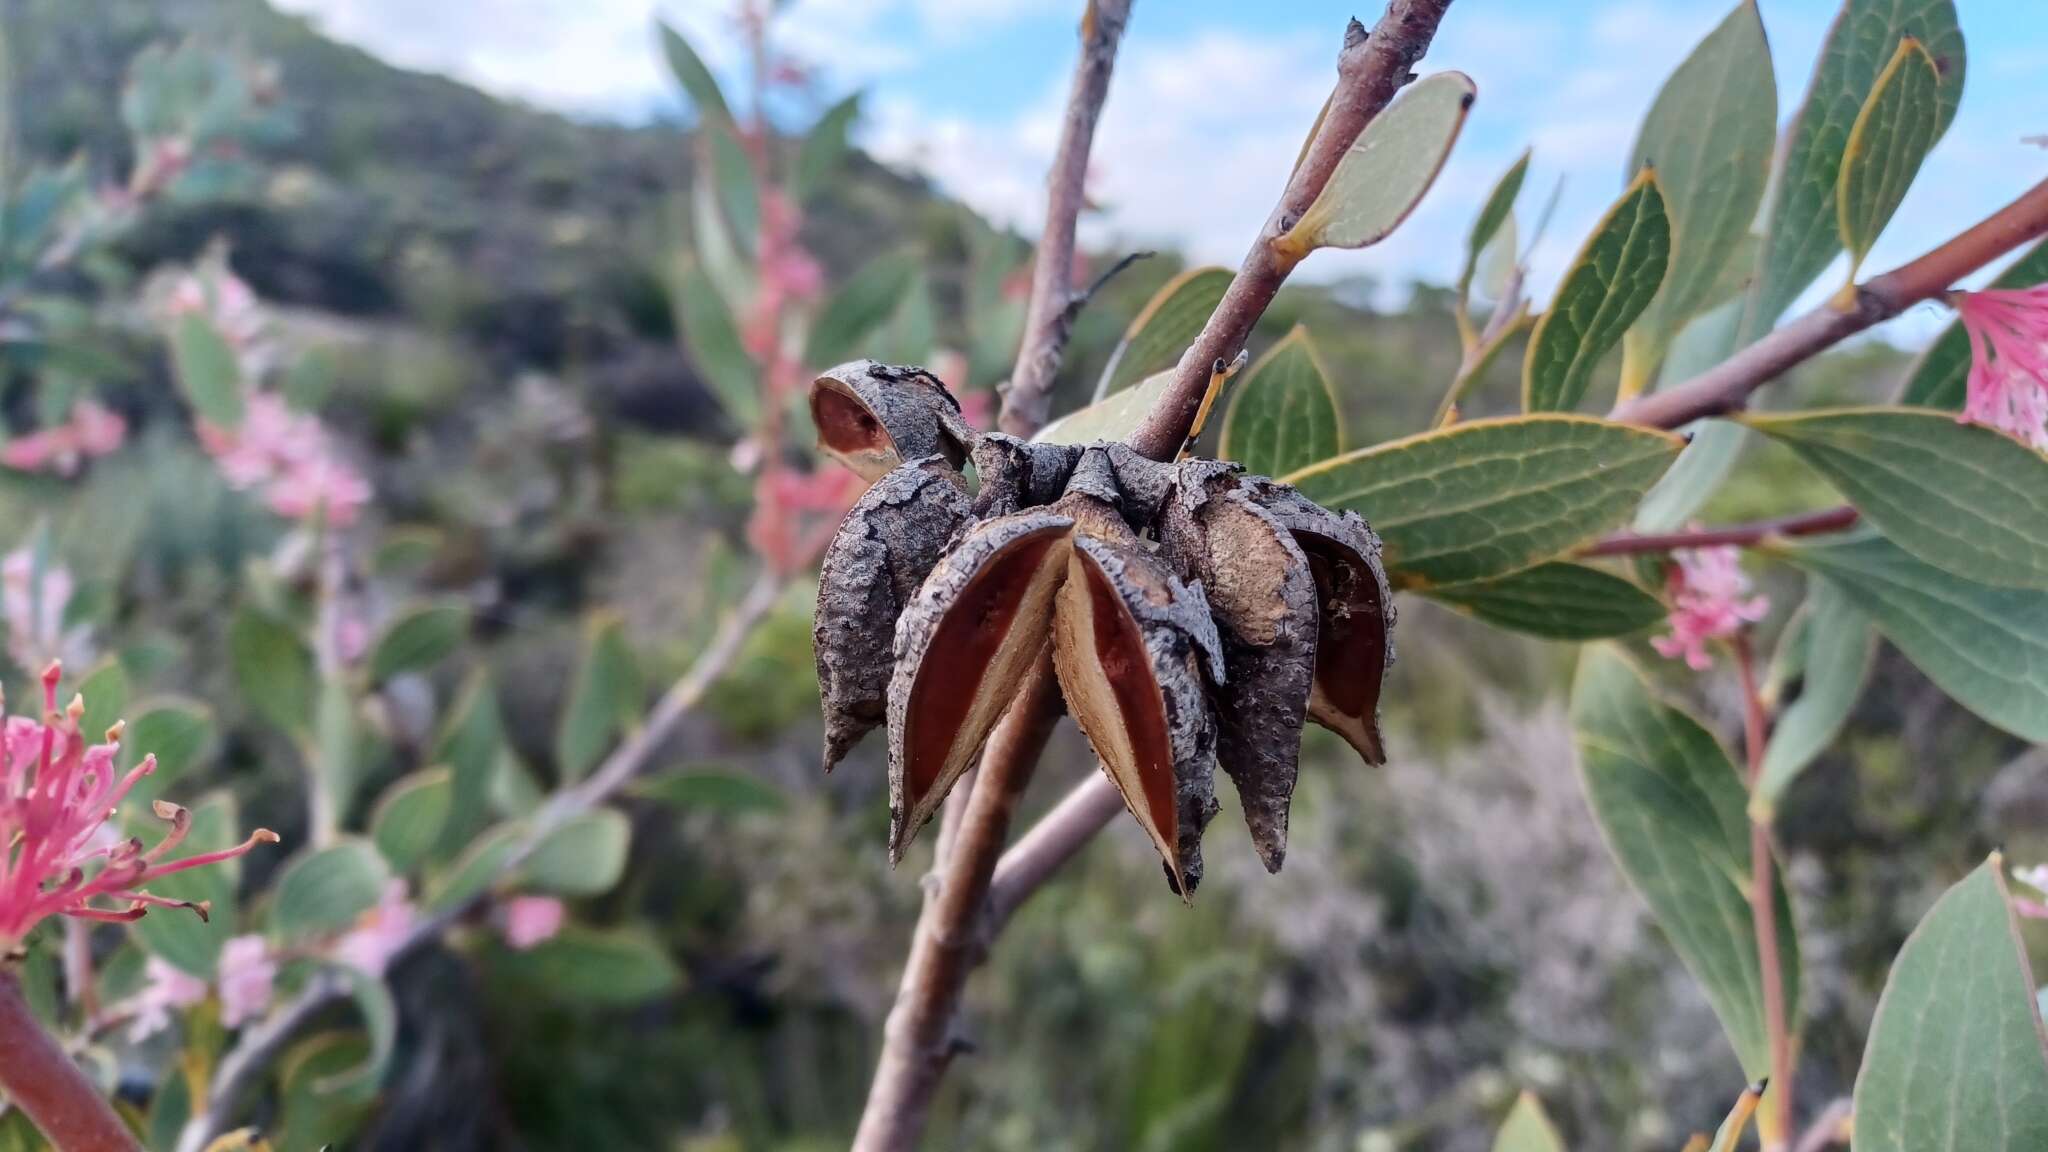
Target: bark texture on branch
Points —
{"points": [[1726, 387], [1371, 69], [1049, 320]]}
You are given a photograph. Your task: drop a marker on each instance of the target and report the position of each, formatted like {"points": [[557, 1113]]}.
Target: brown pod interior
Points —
{"points": [[1351, 645], [984, 646], [1106, 673], [850, 432]]}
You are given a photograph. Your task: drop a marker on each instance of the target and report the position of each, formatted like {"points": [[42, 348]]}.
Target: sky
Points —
{"points": [[1212, 97]]}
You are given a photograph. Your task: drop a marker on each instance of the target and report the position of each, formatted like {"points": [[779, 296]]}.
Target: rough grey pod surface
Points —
{"points": [[1018, 474], [1129, 641], [888, 543], [963, 647], [872, 417], [1263, 596], [1355, 618]]}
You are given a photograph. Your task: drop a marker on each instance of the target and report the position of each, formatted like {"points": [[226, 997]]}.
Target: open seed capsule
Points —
{"points": [[1355, 620], [1263, 597], [1129, 642], [888, 543], [872, 417], [963, 647]]}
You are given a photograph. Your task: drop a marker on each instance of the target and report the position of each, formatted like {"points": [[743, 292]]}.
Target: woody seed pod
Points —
{"points": [[872, 417]]}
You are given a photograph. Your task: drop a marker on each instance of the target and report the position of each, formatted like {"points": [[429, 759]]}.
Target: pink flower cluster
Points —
{"points": [[247, 979], [1710, 601], [289, 459], [33, 609], [93, 430], [2008, 383], [380, 933], [529, 920], [56, 796], [788, 272]]}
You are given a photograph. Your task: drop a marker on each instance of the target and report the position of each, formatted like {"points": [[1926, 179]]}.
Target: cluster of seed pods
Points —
{"points": [[1197, 615]]}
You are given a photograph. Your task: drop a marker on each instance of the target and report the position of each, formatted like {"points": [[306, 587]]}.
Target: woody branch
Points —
{"points": [[918, 1041]]}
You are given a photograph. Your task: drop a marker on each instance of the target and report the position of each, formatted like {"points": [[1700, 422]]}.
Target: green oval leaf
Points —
{"points": [[1497, 211], [1713, 445], [1557, 601], [1838, 643], [1966, 499], [380, 1022], [597, 967], [178, 731], [206, 370], [730, 793], [418, 639], [1804, 233], [604, 702], [472, 744], [1941, 378], [714, 344], [1889, 141], [1112, 419], [1164, 328], [274, 668], [1388, 169], [1987, 647], [1955, 1060], [1482, 499], [409, 817], [1284, 416], [1607, 286], [824, 146], [583, 857], [1671, 808], [860, 306], [689, 71], [481, 864], [311, 1119], [324, 891], [1709, 136], [1528, 1129]]}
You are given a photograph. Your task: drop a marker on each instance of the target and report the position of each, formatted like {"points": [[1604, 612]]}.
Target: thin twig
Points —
{"points": [[1776, 1123], [41, 1079], [1726, 387], [1370, 71], [1837, 519], [918, 1040], [261, 1044], [1048, 320]]}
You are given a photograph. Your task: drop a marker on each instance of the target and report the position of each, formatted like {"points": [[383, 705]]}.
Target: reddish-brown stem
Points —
{"points": [[917, 1041], [41, 1080], [1048, 319], [1837, 519], [1776, 1125], [1369, 71], [1726, 386]]}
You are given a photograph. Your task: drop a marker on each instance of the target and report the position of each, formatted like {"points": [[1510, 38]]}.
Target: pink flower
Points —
{"points": [[166, 988], [528, 920], [2033, 903], [34, 610], [93, 430], [248, 975], [380, 932], [1708, 601], [56, 794], [289, 459], [2008, 383]]}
